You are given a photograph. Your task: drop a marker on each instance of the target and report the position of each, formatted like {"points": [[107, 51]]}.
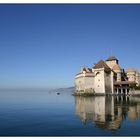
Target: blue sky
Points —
{"points": [[44, 46]]}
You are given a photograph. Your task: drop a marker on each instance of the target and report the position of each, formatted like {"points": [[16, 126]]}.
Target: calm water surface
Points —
{"points": [[34, 113]]}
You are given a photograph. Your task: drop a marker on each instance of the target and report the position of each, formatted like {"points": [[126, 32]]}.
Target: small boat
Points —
{"points": [[58, 93]]}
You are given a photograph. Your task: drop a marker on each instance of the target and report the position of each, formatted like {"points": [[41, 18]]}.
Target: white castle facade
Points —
{"points": [[106, 77]]}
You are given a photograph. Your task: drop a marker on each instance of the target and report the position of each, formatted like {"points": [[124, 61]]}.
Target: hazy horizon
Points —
{"points": [[33, 88]]}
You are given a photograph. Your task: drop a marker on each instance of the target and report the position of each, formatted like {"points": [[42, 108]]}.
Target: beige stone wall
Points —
{"points": [[79, 83], [118, 76], [131, 76], [96, 81], [112, 82], [84, 82], [108, 87], [99, 81], [89, 83], [137, 79], [111, 64]]}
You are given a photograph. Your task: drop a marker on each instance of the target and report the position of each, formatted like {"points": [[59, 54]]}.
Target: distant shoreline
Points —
{"points": [[35, 89]]}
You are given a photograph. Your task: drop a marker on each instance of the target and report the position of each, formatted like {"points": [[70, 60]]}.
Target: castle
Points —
{"points": [[106, 77]]}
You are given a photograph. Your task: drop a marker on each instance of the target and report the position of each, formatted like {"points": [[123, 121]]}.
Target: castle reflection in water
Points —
{"points": [[107, 112]]}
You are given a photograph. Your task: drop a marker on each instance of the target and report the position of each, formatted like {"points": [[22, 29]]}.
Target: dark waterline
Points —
{"points": [[43, 113]]}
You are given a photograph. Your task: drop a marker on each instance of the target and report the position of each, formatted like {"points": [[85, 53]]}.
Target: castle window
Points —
{"points": [[98, 79], [97, 73], [98, 85]]}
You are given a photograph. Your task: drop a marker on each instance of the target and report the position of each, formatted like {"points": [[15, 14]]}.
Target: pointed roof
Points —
{"points": [[101, 64], [111, 58], [130, 69], [87, 70], [116, 68]]}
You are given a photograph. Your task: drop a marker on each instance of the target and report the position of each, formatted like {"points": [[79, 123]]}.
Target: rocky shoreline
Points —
{"points": [[106, 94]]}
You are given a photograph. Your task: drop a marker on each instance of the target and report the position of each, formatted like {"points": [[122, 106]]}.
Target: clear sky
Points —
{"points": [[44, 46]]}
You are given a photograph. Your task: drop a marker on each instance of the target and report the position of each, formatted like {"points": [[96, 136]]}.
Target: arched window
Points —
{"points": [[97, 73]]}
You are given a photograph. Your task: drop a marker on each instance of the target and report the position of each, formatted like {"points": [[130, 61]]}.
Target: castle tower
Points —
{"points": [[84, 81], [131, 74], [112, 61], [117, 69], [137, 78], [103, 80]]}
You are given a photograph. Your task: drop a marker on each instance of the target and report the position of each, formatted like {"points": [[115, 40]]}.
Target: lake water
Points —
{"points": [[43, 113]]}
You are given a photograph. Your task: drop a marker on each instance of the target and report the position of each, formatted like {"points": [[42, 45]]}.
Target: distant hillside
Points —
{"points": [[65, 90]]}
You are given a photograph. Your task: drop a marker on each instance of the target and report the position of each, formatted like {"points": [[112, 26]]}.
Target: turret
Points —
{"points": [[131, 74], [112, 61]]}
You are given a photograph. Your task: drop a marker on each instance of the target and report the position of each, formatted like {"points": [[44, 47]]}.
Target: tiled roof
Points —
{"points": [[101, 64], [131, 69], [116, 67], [87, 70], [111, 58]]}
